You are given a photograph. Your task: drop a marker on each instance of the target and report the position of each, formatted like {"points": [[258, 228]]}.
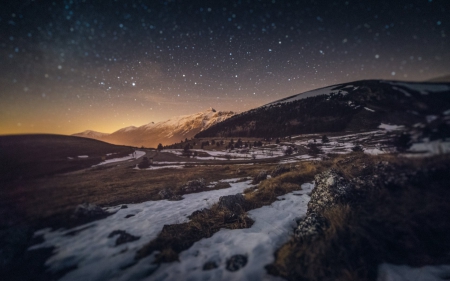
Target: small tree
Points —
{"points": [[325, 139], [160, 147], [277, 141]]}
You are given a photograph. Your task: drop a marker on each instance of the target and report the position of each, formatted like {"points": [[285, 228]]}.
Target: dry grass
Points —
{"points": [[176, 238], [401, 225], [270, 189], [49, 201]]}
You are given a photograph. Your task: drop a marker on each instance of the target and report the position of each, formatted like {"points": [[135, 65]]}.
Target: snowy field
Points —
{"points": [[96, 257], [372, 142], [137, 154]]}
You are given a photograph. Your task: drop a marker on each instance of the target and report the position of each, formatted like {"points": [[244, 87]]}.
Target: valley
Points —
{"points": [[229, 206]]}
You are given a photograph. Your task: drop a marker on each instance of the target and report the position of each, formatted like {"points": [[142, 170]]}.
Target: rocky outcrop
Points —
{"points": [[333, 189], [167, 194], [88, 211], [236, 262], [262, 175], [123, 237], [234, 203], [194, 185]]}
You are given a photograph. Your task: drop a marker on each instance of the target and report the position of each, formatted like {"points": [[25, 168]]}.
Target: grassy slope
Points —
{"points": [[401, 224], [29, 156]]}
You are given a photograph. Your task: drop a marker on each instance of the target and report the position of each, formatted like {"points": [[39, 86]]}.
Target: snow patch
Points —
{"points": [[390, 272], [95, 255], [272, 228], [138, 154], [389, 127]]}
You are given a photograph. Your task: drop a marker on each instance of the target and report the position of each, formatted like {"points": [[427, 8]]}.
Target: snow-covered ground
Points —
{"points": [[96, 257], [273, 227], [427, 149], [161, 167], [390, 272], [137, 154]]}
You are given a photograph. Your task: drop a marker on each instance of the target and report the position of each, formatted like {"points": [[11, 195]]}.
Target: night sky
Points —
{"points": [[68, 66]]}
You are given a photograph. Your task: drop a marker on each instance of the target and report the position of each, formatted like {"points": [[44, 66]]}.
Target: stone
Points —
{"points": [[236, 262], [234, 203], [124, 237], [88, 211], [165, 194], [262, 175], [310, 226], [194, 185]]}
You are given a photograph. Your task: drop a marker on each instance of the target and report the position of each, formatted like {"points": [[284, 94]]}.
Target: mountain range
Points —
{"points": [[164, 132], [355, 106]]}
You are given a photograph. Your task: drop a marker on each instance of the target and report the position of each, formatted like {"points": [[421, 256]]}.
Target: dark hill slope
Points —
{"points": [[355, 106], [29, 156]]}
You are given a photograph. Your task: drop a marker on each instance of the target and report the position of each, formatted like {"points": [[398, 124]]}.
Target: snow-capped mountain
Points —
{"points": [[164, 132], [91, 134], [354, 106]]}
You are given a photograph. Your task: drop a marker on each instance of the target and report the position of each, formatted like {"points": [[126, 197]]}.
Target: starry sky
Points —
{"points": [[67, 66]]}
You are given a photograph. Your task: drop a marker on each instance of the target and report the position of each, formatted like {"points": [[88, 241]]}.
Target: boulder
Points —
{"points": [[311, 226], [236, 262], [194, 185], [124, 237], [88, 211], [165, 194], [234, 203], [262, 175]]}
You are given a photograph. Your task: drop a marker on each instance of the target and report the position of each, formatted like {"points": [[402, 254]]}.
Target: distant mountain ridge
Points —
{"points": [[164, 132], [355, 106]]}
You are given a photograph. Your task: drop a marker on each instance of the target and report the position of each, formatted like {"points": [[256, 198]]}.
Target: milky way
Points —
{"points": [[67, 66]]}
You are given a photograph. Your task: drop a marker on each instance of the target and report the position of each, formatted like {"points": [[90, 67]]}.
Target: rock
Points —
{"points": [[123, 238], [194, 185], [262, 175], [165, 194], [311, 226], [236, 262], [176, 197], [234, 203], [124, 207], [280, 169], [129, 216], [88, 211], [210, 265], [331, 188], [221, 185]]}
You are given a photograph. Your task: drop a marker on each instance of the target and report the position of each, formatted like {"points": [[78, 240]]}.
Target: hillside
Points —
{"points": [[29, 156], [164, 132], [356, 106]]}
